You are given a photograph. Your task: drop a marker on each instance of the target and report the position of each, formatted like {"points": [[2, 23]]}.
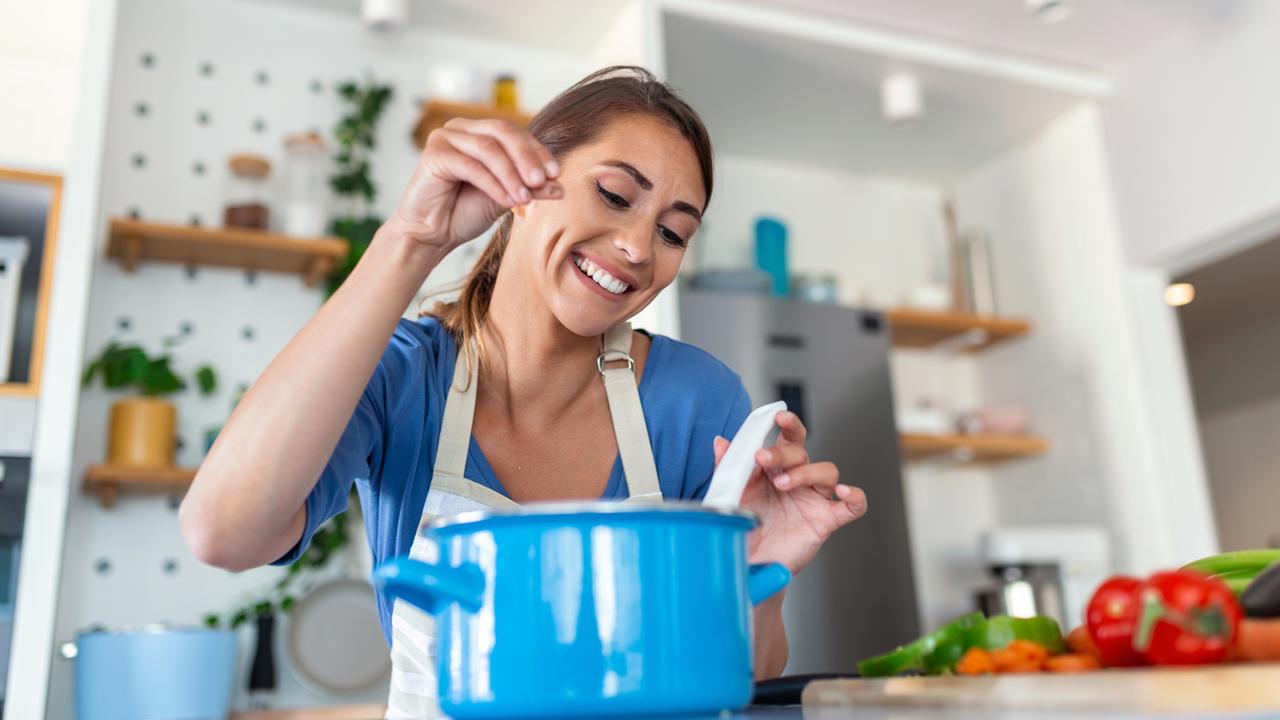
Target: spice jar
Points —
{"points": [[247, 192], [306, 184], [504, 92]]}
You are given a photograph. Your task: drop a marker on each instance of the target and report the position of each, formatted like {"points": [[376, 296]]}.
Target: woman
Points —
{"points": [[497, 398]]}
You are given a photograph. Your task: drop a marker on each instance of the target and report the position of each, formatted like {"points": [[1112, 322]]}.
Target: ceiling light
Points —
{"points": [[1050, 11], [900, 97], [1179, 294], [384, 15]]}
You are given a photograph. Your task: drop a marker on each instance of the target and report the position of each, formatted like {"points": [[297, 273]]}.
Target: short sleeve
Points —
{"points": [[359, 453], [739, 408]]}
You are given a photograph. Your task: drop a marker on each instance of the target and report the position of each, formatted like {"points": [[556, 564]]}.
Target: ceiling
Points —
{"points": [[1236, 294], [1101, 34], [796, 101]]}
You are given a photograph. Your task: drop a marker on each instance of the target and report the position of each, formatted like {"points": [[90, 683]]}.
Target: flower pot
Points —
{"points": [[142, 432]]}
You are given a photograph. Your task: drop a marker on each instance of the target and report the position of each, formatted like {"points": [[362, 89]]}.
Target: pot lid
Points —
{"points": [[591, 507]]}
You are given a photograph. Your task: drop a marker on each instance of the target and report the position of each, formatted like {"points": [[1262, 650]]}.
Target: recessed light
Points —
{"points": [[1051, 11], [1179, 294], [900, 97]]}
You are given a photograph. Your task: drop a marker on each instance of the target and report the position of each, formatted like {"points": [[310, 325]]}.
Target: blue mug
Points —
{"points": [[588, 609]]}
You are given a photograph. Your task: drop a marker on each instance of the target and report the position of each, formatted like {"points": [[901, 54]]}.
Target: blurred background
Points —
{"points": [[1013, 260]]}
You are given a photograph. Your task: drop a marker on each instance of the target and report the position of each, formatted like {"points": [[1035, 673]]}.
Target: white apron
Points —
{"points": [[413, 669]]}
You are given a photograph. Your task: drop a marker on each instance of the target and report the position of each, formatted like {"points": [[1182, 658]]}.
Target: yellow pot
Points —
{"points": [[142, 432]]}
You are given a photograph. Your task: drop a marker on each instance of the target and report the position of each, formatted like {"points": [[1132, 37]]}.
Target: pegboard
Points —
{"points": [[194, 81]]}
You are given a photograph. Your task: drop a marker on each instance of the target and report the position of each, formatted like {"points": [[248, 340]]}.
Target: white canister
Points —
{"points": [[13, 257], [457, 82], [306, 185]]}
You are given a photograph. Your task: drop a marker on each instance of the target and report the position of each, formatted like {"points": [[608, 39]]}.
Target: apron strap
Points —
{"points": [[628, 417], [455, 428]]}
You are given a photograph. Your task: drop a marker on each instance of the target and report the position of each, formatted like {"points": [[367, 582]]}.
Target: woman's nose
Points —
{"points": [[635, 243]]}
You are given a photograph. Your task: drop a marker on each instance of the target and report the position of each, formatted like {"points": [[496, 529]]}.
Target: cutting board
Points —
{"points": [[1227, 688]]}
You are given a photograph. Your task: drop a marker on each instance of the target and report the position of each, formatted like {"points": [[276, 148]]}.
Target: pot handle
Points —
{"points": [[431, 586], [766, 579]]}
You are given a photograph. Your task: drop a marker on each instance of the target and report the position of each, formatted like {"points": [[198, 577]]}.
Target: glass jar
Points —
{"points": [[504, 93], [246, 203], [306, 186]]}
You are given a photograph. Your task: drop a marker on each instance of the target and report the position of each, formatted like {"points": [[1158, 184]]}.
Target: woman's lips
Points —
{"points": [[592, 284]]}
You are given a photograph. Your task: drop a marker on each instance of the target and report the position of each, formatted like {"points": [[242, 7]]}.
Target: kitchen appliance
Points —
{"points": [[589, 609], [831, 366], [13, 256], [156, 672], [1078, 555], [1024, 590]]}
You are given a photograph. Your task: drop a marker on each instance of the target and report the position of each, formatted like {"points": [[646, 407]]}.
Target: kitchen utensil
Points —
{"points": [[589, 609], [1184, 692], [156, 672], [13, 256], [1024, 590], [335, 643], [262, 670], [731, 475]]}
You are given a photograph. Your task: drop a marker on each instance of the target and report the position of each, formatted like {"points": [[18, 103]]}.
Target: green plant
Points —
{"points": [[129, 367], [325, 544], [356, 137]]}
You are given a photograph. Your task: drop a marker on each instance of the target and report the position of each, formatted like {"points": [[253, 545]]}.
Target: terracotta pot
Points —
{"points": [[142, 432]]}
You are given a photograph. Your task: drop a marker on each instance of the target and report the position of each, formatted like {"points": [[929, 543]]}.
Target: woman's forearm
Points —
{"points": [[771, 639], [246, 505]]}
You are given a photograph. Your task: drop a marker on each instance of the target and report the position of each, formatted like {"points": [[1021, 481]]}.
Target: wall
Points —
{"points": [[1190, 134], [1059, 261], [128, 565]]}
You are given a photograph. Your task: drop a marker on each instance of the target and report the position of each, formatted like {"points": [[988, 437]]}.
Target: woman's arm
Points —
{"points": [[771, 639], [246, 505]]}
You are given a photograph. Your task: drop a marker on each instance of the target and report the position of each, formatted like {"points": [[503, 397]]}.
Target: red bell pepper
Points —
{"points": [[1187, 618], [1112, 620]]}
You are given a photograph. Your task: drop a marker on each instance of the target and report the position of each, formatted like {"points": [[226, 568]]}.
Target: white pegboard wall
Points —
{"points": [[194, 81]]}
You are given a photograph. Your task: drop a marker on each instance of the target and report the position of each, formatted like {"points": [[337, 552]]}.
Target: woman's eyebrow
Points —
{"points": [[645, 184]]}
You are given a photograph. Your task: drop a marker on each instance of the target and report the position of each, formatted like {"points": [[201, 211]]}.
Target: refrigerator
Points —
{"points": [[831, 365]]}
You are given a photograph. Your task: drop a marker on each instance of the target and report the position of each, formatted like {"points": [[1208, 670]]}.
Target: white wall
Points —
{"points": [[1059, 261], [41, 45], [1191, 134]]}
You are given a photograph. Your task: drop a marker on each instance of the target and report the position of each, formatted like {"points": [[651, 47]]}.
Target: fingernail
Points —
{"points": [[525, 195], [782, 481], [553, 168], [536, 176]]}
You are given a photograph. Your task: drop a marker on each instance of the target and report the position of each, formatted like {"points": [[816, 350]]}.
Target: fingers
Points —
{"points": [[515, 157], [782, 457], [721, 446], [852, 504], [823, 476], [792, 430]]}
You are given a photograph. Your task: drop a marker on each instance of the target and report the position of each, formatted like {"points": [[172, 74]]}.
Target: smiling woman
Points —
{"points": [[497, 398]]}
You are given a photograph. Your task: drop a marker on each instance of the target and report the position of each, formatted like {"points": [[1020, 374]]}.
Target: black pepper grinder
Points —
{"points": [[262, 673]]}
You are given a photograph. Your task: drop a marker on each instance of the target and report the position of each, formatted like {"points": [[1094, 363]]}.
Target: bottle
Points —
{"points": [[504, 93], [306, 166], [247, 192]]}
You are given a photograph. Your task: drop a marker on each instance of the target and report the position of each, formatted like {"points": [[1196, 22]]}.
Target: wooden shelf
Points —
{"points": [[972, 449], [19, 389], [927, 328], [108, 481], [133, 241], [436, 113]]}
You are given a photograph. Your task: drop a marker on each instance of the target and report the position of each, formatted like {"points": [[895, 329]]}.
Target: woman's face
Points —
{"points": [[632, 202]]}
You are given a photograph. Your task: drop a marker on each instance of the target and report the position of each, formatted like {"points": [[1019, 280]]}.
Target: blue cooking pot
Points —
{"points": [[588, 609]]}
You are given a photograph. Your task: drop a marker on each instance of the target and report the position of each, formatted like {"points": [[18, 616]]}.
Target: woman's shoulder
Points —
{"points": [[689, 371], [419, 351]]}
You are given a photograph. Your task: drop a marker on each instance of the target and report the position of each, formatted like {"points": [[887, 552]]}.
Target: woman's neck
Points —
{"points": [[534, 363]]}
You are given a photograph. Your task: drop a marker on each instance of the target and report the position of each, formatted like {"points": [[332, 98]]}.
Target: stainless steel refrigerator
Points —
{"points": [[831, 365]]}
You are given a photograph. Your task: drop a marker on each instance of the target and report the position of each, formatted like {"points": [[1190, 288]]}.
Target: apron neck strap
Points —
{"points": [[624, 407]]}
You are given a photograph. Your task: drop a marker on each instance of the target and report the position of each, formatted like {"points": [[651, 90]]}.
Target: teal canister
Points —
{"points": [[771, 252]]}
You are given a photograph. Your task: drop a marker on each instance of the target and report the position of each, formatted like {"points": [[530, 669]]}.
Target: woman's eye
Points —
{"points": [[613, 199], [671, 237]]}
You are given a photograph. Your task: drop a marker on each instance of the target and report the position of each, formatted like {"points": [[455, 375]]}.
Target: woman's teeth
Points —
{"points": [[602, 278]]}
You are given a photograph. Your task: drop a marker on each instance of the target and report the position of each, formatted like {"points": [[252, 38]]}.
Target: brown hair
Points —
{"points": [[574, 118]]}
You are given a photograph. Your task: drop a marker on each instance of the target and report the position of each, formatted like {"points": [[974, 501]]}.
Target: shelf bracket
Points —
{"points": [[132, 252], [318, 268]]}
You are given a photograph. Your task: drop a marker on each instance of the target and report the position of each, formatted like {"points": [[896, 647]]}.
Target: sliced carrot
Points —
{"points": [[1012, 661], [1072, 663], [1258, 640], [1079, 641], [1032, 654], [976, 661]]}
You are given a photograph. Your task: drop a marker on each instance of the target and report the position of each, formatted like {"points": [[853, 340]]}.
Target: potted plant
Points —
{"points": [[142, 428], [352, 183]]}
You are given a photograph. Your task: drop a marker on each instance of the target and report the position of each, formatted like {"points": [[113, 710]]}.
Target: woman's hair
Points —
{"points": [[574, 118]]}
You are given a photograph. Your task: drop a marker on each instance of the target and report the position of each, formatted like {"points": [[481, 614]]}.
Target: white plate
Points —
{"points": [[335, 641]]}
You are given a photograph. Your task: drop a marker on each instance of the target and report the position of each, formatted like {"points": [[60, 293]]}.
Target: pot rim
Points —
{"points": [[148, 629], [590, 507]]}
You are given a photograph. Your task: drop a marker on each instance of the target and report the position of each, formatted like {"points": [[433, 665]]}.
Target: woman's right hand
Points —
{"points": [[469, 173]]}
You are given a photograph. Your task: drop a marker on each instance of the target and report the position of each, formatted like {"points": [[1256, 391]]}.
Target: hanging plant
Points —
{"points": [[355, 137]]}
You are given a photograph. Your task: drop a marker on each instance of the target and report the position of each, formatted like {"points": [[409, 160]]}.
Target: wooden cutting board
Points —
{"points": [[1227, 688]]}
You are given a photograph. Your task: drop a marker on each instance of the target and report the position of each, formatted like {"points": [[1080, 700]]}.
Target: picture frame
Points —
{"points": [[30, 203]]}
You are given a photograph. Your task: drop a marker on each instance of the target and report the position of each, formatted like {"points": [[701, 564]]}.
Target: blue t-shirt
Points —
{"points": [[389, 447]]}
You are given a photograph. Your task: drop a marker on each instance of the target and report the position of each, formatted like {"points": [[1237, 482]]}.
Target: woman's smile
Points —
{"points": [[607, 282]]}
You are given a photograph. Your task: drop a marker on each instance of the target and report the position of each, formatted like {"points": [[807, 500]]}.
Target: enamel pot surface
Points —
{"points": [[606, 608]]}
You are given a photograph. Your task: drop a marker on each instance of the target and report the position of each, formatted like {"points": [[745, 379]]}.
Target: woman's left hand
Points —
{"points": [[793, 498]]}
